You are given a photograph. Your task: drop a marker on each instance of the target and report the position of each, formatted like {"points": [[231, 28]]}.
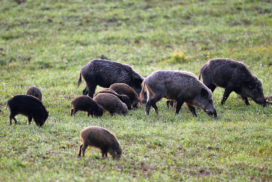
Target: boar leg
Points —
{"points": [[29, 119], [79, 152], [10, 120], [155, 107], [211, 87], [72, 112], [147, 107], [246, 100], [153, 103], [226, 95], [179, 104], [15, 120], [75, 111], [149, 104], [83, 148], [91, 89], [170, 103], [192, 110], [85, 91], [104, 152], [12, 116]]}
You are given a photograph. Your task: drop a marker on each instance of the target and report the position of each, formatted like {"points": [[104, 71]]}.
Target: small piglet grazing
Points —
{"points": [[122, 97], [34, 91], [29, 106], [180, 86], [122, 88], [233, 76], [86, 103], [111, 103], [101, 138], [105, 72]]}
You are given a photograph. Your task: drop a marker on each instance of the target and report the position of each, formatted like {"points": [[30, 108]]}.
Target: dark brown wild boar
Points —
{"points": [[180, 86], [233, 76], [122, 88], [105, 72], [34, 91], [29, 106], [86, 103], [111, 103], [122, 97], [101, 138]]}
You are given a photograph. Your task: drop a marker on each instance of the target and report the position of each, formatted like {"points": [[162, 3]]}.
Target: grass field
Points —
{"points": [[45, 43]]}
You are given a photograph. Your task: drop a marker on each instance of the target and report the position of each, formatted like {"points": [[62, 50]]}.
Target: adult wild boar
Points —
{"points": [[29, 106], [233, 76], [180, 86], [105, 72]]}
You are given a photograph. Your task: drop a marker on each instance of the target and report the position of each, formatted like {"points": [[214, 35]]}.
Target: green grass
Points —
{"points": [[45, 43]]}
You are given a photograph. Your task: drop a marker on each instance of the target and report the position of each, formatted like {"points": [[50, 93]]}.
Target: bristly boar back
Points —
{"points": [[105, 72], [233, 76]]}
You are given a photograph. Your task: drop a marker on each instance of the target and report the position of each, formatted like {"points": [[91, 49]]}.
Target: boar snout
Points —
{"points": [[212, 113], [261, 101]]}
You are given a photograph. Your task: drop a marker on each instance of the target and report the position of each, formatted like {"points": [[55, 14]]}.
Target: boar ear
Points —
{"points": [[204, 93]]}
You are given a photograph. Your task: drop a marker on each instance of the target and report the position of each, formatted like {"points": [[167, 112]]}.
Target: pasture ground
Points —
{"points": [[45, 43]]}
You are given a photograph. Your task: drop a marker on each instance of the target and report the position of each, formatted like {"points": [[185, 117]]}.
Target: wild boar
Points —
{"points": [[122, 97], [86, 103], [233, 76], [34, 91], [105, 72], [180, 86], [122, 88], [111, 103], [29, 106], [101, 138]]}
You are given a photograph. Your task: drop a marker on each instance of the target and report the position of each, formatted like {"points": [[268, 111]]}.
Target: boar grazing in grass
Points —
{"points": [[104, 73], [86, 103], [122, 97], [101, 138], [29, 106], [34, 91], [233, 76], [122, 88], [111, 103], [180, 86]]}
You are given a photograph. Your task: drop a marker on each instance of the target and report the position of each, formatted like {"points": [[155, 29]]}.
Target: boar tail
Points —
{"points": [[141, 97], [146, 89], [79, 80], [199, 77]]}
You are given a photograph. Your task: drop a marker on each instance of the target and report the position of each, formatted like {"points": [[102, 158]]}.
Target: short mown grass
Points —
{"points": [[45, 43]]}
